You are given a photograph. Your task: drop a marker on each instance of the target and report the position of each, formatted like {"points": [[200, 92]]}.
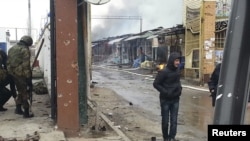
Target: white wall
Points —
{"points": [[5, 38], [44, 57], [2, 35]]}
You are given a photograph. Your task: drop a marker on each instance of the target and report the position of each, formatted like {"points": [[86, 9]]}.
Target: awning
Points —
{"points": [[153, 36], [132, 38], [115, 41], [93, 45], [147, 34]]}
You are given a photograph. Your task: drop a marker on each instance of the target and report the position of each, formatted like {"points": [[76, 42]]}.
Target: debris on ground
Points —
{"points": [[34, 137], [40, 88]]}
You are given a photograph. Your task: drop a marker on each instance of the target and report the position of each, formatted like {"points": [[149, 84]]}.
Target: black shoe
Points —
{"points": [[19, 110], [2, 109], [153, 138], [27, 113], [28, 116]]}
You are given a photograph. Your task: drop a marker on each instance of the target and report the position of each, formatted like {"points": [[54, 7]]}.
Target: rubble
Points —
{"points": [[34, 137]]}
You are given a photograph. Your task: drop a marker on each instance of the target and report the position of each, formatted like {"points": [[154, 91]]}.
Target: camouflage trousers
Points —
{"points": [[22, 91]]}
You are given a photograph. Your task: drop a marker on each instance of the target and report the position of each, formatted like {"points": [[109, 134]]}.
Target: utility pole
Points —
{"points": [[29, 19], [140, 25]]}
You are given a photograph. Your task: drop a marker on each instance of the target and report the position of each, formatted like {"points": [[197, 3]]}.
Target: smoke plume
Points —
{"points": [[154, 13]]}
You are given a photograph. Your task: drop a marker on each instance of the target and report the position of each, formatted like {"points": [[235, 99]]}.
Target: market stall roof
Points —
{"points": [[92, 45], [145, 35], [115, 41], [152, 36], [132, 38]]}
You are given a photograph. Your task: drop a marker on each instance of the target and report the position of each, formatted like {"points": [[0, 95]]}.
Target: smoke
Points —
{"points": [[154, 13]]}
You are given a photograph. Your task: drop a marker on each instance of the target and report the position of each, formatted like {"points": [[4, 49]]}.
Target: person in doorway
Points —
{"points": [[19, 67], [213, 83], [5, 79], [142, 55], [168, 83]]}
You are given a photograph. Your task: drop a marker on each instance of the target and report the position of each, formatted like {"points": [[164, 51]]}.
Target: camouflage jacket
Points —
{"points": [[18, 63]]}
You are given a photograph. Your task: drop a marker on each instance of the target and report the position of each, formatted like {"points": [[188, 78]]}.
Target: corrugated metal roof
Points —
{"points": [[115, 41], [147, 34], [152, 36], [132, 38], [92, 45]]}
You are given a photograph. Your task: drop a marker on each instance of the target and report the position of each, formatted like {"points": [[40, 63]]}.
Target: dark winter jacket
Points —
{"points": [[5, 78], [3, 59], [3, 71], [213, 82], [167, 81]]}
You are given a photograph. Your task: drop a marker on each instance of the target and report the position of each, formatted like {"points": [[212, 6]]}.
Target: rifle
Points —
{"points": [[29, 90], [29, 81]]}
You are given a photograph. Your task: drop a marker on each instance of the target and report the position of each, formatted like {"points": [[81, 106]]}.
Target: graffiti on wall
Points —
{"points": [[221, 25], [223, 8]]}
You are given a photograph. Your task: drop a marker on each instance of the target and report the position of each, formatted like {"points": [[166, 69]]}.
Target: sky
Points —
{"points": [[154, 13], [14, 14]]}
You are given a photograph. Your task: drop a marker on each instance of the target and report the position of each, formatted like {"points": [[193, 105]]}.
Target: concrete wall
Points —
{"points": [[44, 57]]}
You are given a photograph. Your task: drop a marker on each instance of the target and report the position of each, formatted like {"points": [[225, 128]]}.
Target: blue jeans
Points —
{"points": [[169, 108]]}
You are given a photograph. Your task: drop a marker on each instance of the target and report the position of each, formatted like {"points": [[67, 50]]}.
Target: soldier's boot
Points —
{"points": [[27, 113], [19, 110]]}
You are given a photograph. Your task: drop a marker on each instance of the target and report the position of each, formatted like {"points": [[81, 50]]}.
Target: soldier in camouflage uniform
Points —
{"points": [[5, 80], [19, 67]]}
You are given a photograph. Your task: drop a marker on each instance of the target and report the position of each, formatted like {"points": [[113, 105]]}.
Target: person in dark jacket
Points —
{"points": [[168, 83], [213, 83], [5, 79]]}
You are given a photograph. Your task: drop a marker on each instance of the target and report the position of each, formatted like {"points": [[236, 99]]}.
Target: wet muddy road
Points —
{"points": [[136, 87]]}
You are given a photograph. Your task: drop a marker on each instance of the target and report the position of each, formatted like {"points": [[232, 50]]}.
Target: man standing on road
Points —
{"points": [[19, 67], [168, 83], [5, 79]]}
